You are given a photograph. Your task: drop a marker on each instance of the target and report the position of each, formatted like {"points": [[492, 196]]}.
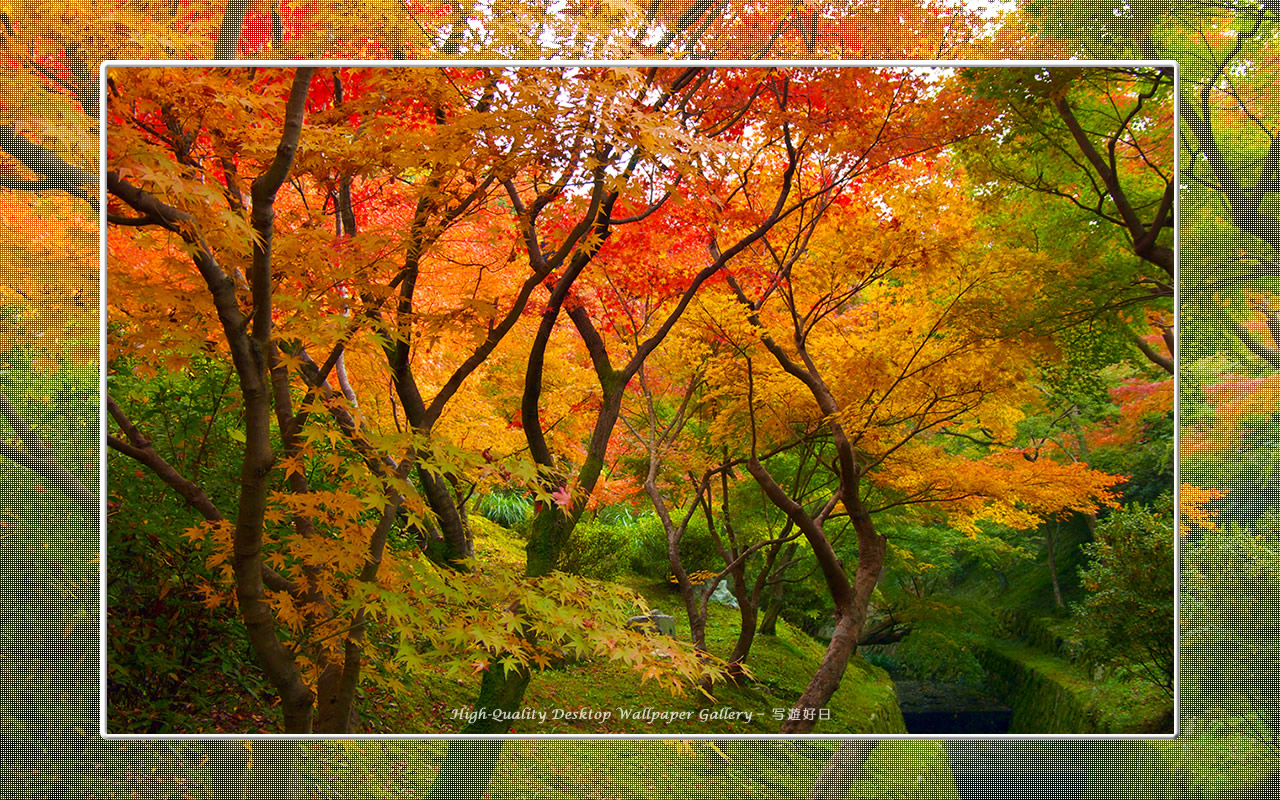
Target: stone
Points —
{"points": [[655, 622], [724, 595]]}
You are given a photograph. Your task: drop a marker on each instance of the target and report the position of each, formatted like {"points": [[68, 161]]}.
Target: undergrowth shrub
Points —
{"points": [[929, 655], [597, 549], [1127, 617], [507, 507], [162, 675], [649, 548]]}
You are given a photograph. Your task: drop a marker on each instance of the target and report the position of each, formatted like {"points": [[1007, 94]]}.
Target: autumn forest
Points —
{"points": [[677, 400]]}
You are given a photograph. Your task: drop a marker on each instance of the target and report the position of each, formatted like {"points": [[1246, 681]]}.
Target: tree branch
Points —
{"points": [[139, 448], [36, 457], [54, 171]]}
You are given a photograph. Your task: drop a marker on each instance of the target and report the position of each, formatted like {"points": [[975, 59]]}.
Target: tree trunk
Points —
{"points": [[1053, 566], [469, 763], [826, 679], [695, 606], [749, 616], [251, 357], [850, 601], [466, 770], [842, 769], [851, 615], [499, 691], [329, 671], [694, 603], [769, 623], [331, 717], [871, 551], [456, 536], [549, 530]]}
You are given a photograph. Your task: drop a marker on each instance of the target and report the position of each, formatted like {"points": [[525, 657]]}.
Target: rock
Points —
{"points": [[655, 622], [724, 595]]}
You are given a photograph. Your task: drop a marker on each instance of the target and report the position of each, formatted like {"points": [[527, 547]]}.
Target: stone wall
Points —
{"points": [[874, 700], [1044, 697]]}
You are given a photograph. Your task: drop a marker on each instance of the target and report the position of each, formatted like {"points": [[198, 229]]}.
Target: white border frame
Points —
{"points": [[671, 734]]}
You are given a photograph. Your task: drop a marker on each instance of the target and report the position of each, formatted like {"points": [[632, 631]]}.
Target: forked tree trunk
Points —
{"points": [[250, 340], [769, 623], [750, 602], [250, 355], [695, 605], [850, 600]]}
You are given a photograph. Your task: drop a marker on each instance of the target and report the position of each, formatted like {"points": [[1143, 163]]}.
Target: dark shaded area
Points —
{"points": [[949, 708], [1018, 770], [1021, 782], [961, 720]]}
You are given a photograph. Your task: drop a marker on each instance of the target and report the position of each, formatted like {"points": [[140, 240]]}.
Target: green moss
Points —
{"points": [[544, 769], [780, 668], [494, 543]]}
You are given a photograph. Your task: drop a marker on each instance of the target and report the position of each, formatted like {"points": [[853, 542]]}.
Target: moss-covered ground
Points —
{"points": [[622, 769], [780, 667]]}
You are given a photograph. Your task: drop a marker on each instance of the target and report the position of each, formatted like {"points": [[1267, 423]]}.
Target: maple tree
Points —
{"points": [[1101, 142], [280, 356], [788, 211], [737, 535], [893, 376], [307, 29], [1226, 354]]}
